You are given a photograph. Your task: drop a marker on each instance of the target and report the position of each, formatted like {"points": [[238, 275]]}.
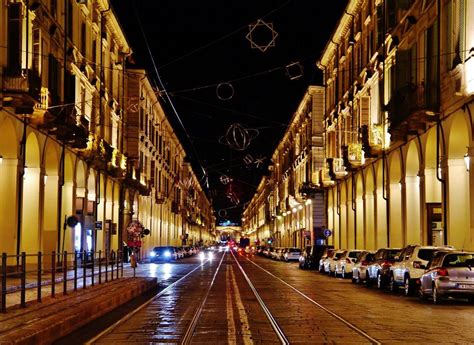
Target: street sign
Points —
{"points": [[327, 232], [98, 225]]}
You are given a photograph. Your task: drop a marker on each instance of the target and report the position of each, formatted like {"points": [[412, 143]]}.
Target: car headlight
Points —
{"points": [[167, 254], [152, 254], [202, 256], [210, 256]]}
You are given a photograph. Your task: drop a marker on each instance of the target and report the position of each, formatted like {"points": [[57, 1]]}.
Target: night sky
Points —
{"points": [[198, 45]]}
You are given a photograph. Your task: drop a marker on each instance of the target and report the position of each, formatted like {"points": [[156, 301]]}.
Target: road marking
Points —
{"points": [[273, 323], [244, 321], [132, 313], [347, 323], [231, 331]]}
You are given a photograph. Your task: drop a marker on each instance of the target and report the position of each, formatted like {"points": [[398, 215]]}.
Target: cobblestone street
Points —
{"points": [[214, 303]]}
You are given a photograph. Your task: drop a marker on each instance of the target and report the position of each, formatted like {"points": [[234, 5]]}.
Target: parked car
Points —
{"points": [[379, 270], [330, 263], [410, 266], [260, 250], [291, 254], [165, 254], [328, 252], [274, 254], [179, 252], [359, 270], [449, 274], [279, 254], [345, 264], [267, 252]]}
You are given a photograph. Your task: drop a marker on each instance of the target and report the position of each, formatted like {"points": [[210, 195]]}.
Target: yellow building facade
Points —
{"points": [[398, 91], [64, 108]]}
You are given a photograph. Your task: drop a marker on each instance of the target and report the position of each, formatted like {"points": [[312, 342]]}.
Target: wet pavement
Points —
{"points": [[214, 303]]}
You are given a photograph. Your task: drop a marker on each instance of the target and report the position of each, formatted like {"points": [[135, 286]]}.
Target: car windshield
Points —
{"points": [[459, 260], [391, 253], [426, 254], [354, 254], [162, 249], [294, 250], [339, 255]]}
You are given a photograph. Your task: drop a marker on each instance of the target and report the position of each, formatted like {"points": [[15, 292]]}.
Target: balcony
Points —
{"points": [[21, 90], [408, 110], [307, 189], [372, 140], [337, 170]]}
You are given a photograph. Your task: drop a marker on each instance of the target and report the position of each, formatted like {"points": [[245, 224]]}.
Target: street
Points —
{"points": [[212, 302]]}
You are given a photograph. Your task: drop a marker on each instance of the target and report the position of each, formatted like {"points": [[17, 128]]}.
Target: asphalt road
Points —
{"points": [[236, 299]]}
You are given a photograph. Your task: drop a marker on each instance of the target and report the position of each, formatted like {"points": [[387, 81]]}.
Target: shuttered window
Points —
{"points": [[14, 38]]}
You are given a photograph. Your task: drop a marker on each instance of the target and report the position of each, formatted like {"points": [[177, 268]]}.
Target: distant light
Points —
{"points": [[1, 159], [294, 209], [300, 207], [308, 202], [467, 161]]}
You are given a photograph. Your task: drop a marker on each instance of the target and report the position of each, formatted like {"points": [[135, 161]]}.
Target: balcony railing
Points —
{"points": [[26, 84], [408, 108]]}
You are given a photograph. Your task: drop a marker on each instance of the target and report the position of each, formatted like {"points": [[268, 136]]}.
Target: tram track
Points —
{"points": [[130, 315], [336, 316]]}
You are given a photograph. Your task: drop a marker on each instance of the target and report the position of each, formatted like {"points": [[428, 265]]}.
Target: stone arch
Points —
{"points": [[30, 230], [370, 208], [382, 193], [458, 184], [414, 234], [50, 197], [8, 184]]}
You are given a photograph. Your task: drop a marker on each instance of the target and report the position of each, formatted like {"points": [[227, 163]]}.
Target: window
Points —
{"points": [[431, 66], [53, 78], [54, 8], [37, 50], [69, 20], [83, 39], [426, 254], [14, 39]]}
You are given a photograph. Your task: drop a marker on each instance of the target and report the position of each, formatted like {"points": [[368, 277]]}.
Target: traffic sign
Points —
{"points": [[327, 232]]}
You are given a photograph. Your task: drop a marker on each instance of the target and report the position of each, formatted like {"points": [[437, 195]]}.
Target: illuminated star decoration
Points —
{"points": [[260, 24], [259, 161], [248, 159], [294, 71]]}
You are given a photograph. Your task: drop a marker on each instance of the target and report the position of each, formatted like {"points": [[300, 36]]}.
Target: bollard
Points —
{"points": [[65, 272], [100, 266], [4, 282], [75, 270], [53, 274], [117, 265], [38, 281], [92, 268], [23, 280], [112, 253], [84, 269], [106, 266]]}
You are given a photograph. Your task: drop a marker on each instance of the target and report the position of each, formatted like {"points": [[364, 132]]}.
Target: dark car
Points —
{"points": [[311, 255], [379, 270], [163, 254]]}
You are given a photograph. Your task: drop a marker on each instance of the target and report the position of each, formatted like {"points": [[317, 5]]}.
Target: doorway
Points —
{"points": [[434, 213]]}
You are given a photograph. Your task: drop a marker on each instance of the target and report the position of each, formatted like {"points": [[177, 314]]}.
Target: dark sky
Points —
{"points": [[203, 43]]}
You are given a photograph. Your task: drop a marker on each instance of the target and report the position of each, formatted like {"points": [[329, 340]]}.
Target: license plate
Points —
{"points": [[465, 286]]}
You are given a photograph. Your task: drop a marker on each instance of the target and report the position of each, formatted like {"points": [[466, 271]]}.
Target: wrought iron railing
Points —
{"points": [[65, 272]]}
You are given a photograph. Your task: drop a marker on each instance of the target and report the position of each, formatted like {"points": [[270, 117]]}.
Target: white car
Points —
{"points": [[292, 254], [330, 262], [345, 264], [410, 266], [359, 270]]}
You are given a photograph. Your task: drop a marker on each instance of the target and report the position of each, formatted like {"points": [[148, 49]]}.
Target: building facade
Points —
{"points": [[398, 91], [67, 152], [288, 207]]}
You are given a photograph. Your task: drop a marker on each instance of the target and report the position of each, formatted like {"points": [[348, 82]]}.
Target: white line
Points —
{"points": [[132, 313], [273, 323], [347, 323], [192, 326], [244, 321], [231, 332]]}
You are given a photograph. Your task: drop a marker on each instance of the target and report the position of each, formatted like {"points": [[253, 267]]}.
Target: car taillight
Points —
{"points": [[442, 272], [363, 263], [348, 260], [386, 264], [416, 264]]}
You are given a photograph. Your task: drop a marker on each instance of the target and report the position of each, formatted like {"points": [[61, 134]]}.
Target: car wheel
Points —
{"points": [[436, 296], [380, 284], [422, 295], [407, 288], [354, 279], [393, 285]]}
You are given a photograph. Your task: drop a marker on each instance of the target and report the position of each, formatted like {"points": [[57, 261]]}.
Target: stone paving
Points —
{"points": [[232, 315]]}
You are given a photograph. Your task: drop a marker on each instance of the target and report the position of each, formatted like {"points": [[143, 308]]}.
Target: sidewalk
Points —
{"points": [[41, 323]]}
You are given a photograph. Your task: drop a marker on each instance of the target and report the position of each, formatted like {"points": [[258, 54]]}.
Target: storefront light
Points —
{"points": [[308, 202], [300, 207], [45, 179], [294, 210]]}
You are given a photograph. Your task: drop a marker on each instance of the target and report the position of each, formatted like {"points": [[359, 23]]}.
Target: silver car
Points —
{"points": [[359, 271], [449, 274], [330, 263]]}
